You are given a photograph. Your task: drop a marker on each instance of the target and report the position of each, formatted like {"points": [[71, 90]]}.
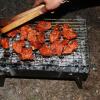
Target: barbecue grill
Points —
{"points": [[72, 67]]}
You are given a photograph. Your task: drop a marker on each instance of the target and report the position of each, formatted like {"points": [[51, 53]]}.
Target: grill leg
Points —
{"points": [[2, 80], [79, 83]]}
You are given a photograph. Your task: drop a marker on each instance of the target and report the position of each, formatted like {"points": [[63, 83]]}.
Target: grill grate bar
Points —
{"points": [[76, 62]]}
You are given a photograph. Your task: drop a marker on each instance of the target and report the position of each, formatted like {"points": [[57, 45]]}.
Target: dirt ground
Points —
{"points": [[32, 89]]}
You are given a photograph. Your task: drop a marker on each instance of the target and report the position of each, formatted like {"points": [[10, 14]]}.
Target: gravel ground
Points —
{"points": [[24, 89]]}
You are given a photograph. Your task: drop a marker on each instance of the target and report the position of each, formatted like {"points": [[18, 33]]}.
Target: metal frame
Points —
{"points": [[78, 78], [77, 69]]}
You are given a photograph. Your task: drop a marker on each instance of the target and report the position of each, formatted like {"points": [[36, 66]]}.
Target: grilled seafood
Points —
{"points": [[24, 30], [43, 26], [5, 43], [55, 34], [26, 54], [18, 45], [57, 48], [36, 39], [12, 34], [68, 32], [73, 45], [45, 50]]}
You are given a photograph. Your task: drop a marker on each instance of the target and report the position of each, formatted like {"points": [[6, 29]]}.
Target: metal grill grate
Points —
{"points": [[75, 63]]}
